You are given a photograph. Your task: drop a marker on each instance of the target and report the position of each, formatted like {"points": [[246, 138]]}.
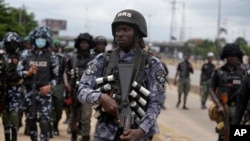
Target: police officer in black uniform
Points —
{"points": [[226, 81], [243, 98], [100, 44], [39, 69], [75, 66], [58, 90], [205, 78]]}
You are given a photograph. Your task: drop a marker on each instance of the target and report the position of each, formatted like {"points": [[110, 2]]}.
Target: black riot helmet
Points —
{"points": [[231, 49], [84, 37], [132, 17], [100, 39], [41, 37], [11, 42]]}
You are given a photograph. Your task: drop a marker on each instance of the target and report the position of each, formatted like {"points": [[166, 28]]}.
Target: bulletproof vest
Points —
{"points": [[140, 60], [229, 82], [79, 64], [43, 64], [207, 71], [12, 76]]}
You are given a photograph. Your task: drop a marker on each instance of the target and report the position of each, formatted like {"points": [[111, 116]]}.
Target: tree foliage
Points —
{"points": [[15, 20], [243, 45]]}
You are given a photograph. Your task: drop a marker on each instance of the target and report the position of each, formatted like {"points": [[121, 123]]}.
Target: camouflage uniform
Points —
{"points": [[47, 73]]}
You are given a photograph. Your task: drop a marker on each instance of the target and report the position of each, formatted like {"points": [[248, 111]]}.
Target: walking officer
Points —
{"points": [[58, 90], [205, 78], [127, 84], [12, 99], [184, 69], [40, 71], [226, 81], [75, 66]]}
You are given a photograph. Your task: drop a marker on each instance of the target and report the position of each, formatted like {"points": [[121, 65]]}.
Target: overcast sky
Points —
{"points": [[96, 16]]}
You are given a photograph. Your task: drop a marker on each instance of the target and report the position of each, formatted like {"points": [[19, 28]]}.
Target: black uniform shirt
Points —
{"points": [[207, 70], [242, 99], [184, 69]]}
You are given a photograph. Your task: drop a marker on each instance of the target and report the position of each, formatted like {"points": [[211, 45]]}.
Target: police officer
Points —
{"points": [[100, 44], [205, 78], [76, 65], [13, 91], [184, 69], [226, 80], [243, 101], [58, 90], [40, 71], [128, 28]]}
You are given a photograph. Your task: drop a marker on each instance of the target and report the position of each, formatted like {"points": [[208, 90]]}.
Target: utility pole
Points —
{"points": [[172, 24], [86, 21], [21, 14], [219, 20], [182, 31]]}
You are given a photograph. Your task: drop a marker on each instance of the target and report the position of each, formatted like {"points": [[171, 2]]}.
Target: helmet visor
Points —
{"points": [[40, 42]]}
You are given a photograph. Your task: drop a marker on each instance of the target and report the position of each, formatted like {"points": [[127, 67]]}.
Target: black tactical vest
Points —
{"points": [[43, 64], [229, 82], [140, 60]]}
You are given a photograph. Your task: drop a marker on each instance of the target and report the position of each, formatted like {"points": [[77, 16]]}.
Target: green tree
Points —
{"points": [[243, 45], [16, 20]]}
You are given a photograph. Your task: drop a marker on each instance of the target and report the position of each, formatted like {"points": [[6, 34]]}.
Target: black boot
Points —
{"points": [[74, 136], [14, 134], [7, 136], [85, 138], [56, 131]]}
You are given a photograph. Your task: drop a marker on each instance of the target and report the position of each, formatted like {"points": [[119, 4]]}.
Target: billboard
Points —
{"points": [[56, 25]]}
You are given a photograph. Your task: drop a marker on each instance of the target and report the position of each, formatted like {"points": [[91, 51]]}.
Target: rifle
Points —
{"points": [[125, 72], [33, 99], [222, 106]]}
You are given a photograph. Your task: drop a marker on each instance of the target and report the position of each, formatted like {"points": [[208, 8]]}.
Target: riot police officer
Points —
{"points": [[100, 44], [102, 83], [58, 90], [13, 87], [243, 101], [226, 80], [75, 66], [40, 71], [205, 78]]}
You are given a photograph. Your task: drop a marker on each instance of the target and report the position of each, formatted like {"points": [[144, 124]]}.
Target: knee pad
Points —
{"points": [[32, 124], [11, 118], [44, 126]]}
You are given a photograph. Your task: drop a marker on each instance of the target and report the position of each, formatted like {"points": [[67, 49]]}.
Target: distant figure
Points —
{"points": [[100, 43], [205, 78], [184, 69]]}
